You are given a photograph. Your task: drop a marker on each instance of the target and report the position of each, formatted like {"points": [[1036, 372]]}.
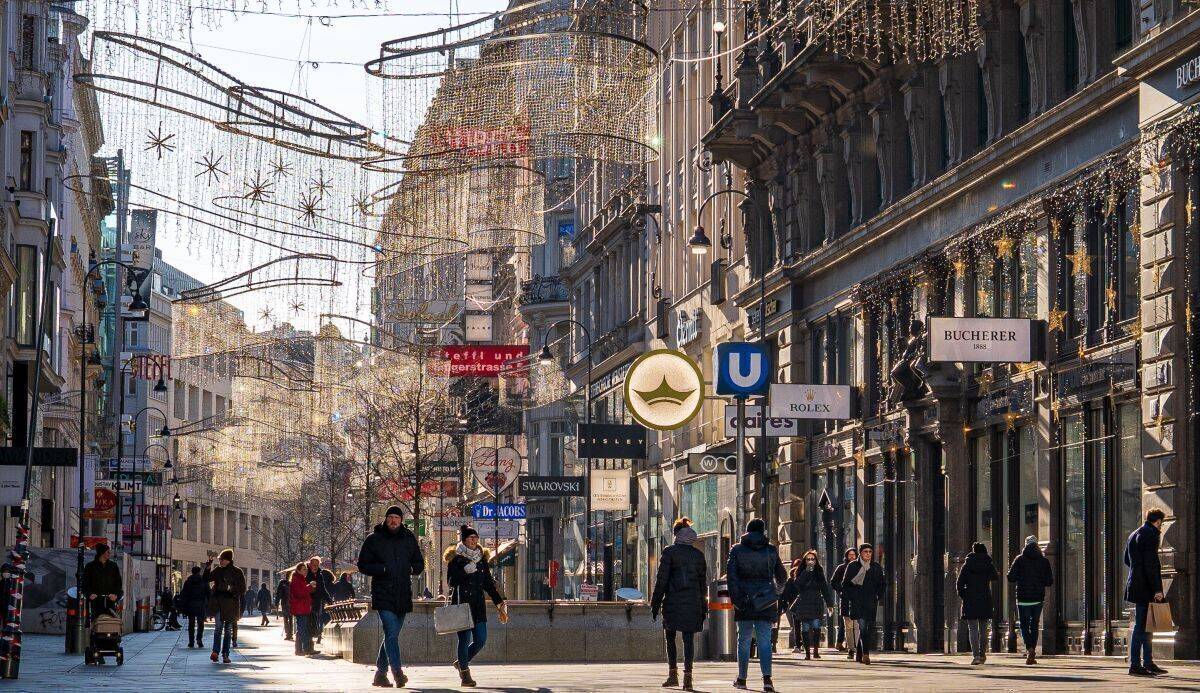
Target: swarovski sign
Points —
{"points": [[810, 401], [982, 340]]}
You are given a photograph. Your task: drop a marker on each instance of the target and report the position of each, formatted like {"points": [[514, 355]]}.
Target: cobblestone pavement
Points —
{"points": [[162, 662]]}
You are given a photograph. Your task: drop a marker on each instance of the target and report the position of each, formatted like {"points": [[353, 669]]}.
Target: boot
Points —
{"points": [[866, 658], [381, 680], [816, 638], [464, 673], [672, 678], [401, 679], [687, 680], [768, 687], [1029, 658], [807, 650]]}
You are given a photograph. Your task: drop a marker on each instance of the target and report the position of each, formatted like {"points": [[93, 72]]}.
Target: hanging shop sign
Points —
{"points": [[720, 460], [42, 457], [149, 365], [478, 327], [742, 368], [611, 441], [1014, 399], [810, 401], [479, 361], [664, 389], [687, 326], [390, 490], [985, 340], [502, 511], [495, 468], [610, 489], [104, 504], [550, 486], [143, 228], [776, 427]]}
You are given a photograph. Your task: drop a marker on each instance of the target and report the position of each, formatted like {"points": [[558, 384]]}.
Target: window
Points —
{"points": [[698, 501], [28, 281], [1070, 48], [29, 43], [1122, 24], [130, 385], [1073, 520], [982, 460], [179, 407], [135, 334], [1129, 475], [26, 181]]}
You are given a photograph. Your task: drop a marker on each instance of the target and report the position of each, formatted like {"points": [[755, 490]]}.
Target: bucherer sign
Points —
{"points": [[982, 340]]}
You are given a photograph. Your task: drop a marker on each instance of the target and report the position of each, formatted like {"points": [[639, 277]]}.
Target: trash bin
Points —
{"points": [[722, 631]]}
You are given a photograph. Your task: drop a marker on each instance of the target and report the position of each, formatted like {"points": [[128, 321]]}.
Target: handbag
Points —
{"points": [[1158, 618], [766, 599], [452, 618]]}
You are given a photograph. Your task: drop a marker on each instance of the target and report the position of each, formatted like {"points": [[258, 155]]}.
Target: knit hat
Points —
{"points": [[685, 535], [756, 525], [466, 531], [394, 510], [101, 549], [1030, 540], [226, 555]]}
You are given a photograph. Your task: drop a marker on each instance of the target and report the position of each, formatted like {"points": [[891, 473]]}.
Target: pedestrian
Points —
{"points": [[1144, 585], [863, 587], [681, 595], [248, 600], [343, 589], [391, 557], [169, 609], [975, 591], [300, 591], [753, 570], [470, 580], [264, 603], [225, 603], [322, 596], [284, 604], [193, 602], [1032, 573], [847, 627], [807, 598]]}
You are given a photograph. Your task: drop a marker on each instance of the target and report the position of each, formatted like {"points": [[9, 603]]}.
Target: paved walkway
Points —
{"points": [[162, 662]]}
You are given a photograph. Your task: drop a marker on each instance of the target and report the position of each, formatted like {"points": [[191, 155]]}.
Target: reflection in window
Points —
{"points": [[1073, 524], [28, 270], [1129, 477]]}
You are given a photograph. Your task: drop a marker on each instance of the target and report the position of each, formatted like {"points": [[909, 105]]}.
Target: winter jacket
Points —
{"points": [[281, 597], [102, 578], [1145, 571], [1031, 571], [469, 588], [343, 589], [807, 595], [264, 598], [193, 598], [835, 582], [391, 559], [975, 586], [300, 593], [753, 570], [228, 586], [681, 589], [864, 599], [323, 594]]}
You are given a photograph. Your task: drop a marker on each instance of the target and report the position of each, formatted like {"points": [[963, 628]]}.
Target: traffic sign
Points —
{"points": [[742, 368], [507, 511]]}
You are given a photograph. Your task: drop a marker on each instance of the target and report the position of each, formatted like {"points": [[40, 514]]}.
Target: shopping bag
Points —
{"points": [[452, 618], [1158, 618]]}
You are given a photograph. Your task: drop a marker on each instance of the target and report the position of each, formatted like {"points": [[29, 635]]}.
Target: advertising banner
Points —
{"points": [[550, 486], [776, 427], [505, 511], [480, 361], [610, 489], [810, 401], [495, 468], [983, 340]]}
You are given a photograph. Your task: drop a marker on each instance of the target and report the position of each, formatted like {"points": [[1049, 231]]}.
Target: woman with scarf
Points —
{"points": [[807, 598], [680, 594], [470, 579], [863, 587]]}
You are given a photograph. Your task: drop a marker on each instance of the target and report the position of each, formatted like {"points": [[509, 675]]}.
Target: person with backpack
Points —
{"points": [[681, 596], [754, 571], [975, 591], [807, 598], [1032, 574]]}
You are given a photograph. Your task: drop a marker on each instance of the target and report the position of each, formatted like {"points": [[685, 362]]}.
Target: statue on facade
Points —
{"points": [[908, 375]]}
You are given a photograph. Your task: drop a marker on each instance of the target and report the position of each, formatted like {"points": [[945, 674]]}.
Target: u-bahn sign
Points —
{"points": [[984, 340], [664, 389]]}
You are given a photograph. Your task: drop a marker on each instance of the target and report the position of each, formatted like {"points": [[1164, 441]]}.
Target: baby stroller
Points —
{"points": [[105, 638]]}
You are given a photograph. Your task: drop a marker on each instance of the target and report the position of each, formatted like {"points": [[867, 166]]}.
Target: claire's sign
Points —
{"points": [[983, 340]]}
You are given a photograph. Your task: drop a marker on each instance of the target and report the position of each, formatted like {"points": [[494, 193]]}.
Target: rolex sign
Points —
{"points": [[810, 401]]}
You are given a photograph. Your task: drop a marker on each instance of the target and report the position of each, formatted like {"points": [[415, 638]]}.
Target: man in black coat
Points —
{"points": [[755, 576], [193, 602], [863, 587], [102, 583], [1032, 574], [681, 595], [1143, 586], [391, 557], [974, 588], [322, 595], [282, 590]]}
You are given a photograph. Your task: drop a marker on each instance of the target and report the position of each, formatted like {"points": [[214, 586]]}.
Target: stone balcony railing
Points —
{"points": [[542, 290]]}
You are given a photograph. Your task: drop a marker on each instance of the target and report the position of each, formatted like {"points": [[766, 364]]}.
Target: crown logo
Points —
{"points": [[810, 394], [664, 393]]}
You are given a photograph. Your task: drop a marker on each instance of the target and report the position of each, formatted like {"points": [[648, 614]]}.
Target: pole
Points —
{"points": [[739, 519], [367, 483], [496, 501], [762, 336], [587, 405], [75, 630], [118, 379]]}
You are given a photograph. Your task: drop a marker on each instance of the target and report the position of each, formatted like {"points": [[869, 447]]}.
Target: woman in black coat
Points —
{"points": [[192, 601], [680, 593], [807, 597], [470, 579], [1032, 574], [975, 590], [845, 623]]}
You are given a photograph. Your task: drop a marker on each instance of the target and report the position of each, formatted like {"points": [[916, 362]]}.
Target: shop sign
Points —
{"points": [[983, 340], [1014, 399], [1079, 382], [611, 441], [608, 381], [550, 486], [104, 505], [505, 511], [1188, 74], [495, 468], [712, 462], [479, 361], [776, 427], [834, 449], [610, 489], [664, 389], [810, 401], [687, 326], [743, 368], [752, 314]]}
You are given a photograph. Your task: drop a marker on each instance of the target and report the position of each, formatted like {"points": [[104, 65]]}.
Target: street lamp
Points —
{"points": [[546, 358], [699, 243]]}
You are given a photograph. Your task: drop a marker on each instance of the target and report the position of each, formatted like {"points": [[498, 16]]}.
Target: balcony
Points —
{"points": [[542, 290]]}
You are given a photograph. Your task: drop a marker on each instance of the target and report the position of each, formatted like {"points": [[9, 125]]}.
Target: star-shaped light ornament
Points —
{"points": [[985, 382], [1110, 204], [297, 307], [960, 268], [310, 209], [258, 189], [265, 314], [1056, 319], [1004, 247], [1110, 298], [280, 168], [1135, 230], [158, 142], [210, 166], [1135, 328], [1081, 262], [1055, 227], [362, 204], [321, 184]]}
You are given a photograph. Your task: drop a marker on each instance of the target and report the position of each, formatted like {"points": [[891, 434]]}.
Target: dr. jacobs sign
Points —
{"points": [[664, 389], [810, 401], [984, 340]]}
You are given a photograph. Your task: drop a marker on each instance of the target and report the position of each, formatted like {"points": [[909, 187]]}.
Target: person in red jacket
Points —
{"points": [[300, 592]]}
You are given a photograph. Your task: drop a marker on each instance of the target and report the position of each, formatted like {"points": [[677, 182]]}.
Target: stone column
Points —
{"points": [[890, 130], [958, 79], [998, 60], [862, 171], [922, 113], [794, 492], [831, 182]]}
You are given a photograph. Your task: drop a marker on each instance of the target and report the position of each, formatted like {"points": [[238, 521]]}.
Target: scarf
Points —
{"points": [[473, 557], [861, 575]]}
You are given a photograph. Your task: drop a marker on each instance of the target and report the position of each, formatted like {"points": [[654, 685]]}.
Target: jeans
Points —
{"points": [[866, 629], [389, 649], [318, 619], [470, 642], [1139, 641], [1030, 614], [977, 630], [761, 632], [196, 629], [689, 649], [222, 634], [287, 625], [303, 634]]}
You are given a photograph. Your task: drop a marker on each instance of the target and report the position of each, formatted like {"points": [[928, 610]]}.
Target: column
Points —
{"points": [[958, 79], [998, 59], [888, 120], [831, 182], [858, 148]]}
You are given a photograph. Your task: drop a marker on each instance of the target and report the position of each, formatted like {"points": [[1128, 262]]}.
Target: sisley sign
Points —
{"points": [[982, 340], [810, 401]]}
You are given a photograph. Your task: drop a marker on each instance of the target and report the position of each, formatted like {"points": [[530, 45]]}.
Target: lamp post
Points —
{"points": [[158, 547], [165, 432], [545, 357], [699, 244]]}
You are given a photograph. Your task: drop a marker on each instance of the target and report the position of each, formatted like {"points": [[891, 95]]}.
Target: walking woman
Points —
{"points": [[975, 590], [300, 592], [470, 579], [228, 585], [193, 602], [680, 594], [1032, 574], [753, 570], [847, 628], [807, 598]]}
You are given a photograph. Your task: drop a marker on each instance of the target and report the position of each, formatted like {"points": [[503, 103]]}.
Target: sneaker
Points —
{"points": [[1155, 669], [213, 656], [381, 680], [1139, 671], [739, 684]]}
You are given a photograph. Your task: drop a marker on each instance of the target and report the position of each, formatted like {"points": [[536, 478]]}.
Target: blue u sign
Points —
{"points": [[742, 368]]}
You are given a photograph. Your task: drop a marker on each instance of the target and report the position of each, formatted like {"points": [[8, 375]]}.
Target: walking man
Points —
{"points": [[863, 586], [846, 625], [229, 585], [322, 595], [285, 606], [755, 576], [975, 590], [1143, 586], [391, 556], [264, 603], [1032, 574], [193, 602]]}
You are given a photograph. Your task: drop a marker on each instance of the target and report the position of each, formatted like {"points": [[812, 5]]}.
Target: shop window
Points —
{"points": [[1098, 437], [1028, 481], [878, 492], [818, 483], [28, 271], [698, 501], [982, 461], [985, 286], [1129, 476], [849, 524], [1072, 439], [1128, 259]]}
